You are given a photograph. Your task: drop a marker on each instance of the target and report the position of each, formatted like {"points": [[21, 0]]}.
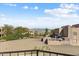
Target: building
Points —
{"points": [[74, 35], [69, 33]]}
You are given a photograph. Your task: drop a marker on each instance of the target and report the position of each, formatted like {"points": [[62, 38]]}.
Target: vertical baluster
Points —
{"points": [[9, 54], [49, 54], [2, 54], [37, 53], [31, 53], [43, 54], [17, 53], [24, 53], [57, 54]]}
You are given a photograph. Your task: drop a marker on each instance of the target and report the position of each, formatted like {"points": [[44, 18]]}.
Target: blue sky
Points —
{"points": [[39, 15]]}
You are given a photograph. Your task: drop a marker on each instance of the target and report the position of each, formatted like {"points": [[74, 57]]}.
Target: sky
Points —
{"points": [[39, 15]]}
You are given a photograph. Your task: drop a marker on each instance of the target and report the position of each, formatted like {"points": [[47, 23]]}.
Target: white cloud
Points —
{"points": [[65, 10], [36, 8], [4, 18], [10, 4], [39, 22], [67, 14], [70, 6], [2, 15], [31, 8], [25, 7], [57, 11]]}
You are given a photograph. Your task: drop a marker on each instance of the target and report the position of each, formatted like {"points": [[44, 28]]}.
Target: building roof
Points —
{"points": [[76, 25], [65, 26]]}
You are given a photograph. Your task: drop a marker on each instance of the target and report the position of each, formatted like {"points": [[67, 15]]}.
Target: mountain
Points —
{"points": [[39, 30]]}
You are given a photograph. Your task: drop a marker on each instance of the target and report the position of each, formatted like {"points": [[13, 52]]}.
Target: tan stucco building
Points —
{"points": [[69, 33], [74, 35]]}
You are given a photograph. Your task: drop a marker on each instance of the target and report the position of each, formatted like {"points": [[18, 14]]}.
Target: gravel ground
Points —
{"points": [[26, 44]]}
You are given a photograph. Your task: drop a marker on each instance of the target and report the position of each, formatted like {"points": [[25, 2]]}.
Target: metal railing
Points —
{"points": [[34, 53]]}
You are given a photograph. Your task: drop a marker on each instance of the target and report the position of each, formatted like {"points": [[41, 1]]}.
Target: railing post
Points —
{"points": [[57, 54], [37, 52], [9, 54], [24, 53], [31, 53], [49, 54], [17, 53], [2, 54], [43, 54]]}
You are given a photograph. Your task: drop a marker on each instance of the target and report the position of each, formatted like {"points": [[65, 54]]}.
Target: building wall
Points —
{"points": [[74, 38], [65, 31], [70, 33], [50, 42], [56, 31]]}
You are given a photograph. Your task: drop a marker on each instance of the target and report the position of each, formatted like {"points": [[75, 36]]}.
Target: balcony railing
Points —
{"points": [[33, 53]]}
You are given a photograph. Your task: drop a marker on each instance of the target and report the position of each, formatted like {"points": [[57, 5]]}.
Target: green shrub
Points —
{"points": [[11, 37]]}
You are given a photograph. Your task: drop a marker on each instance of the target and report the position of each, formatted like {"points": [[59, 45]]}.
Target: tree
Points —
{"points": [[46, 32], [8, 29], [35, 33], [27, 34], [8, 32], [12, 33], [10, 37], [21, 32]]}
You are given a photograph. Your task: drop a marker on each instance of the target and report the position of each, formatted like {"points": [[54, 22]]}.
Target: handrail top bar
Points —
{"points": [[17, 51], [37, 50]]}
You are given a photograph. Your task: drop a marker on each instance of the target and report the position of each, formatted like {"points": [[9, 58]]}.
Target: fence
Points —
{"points": [[34, 53]]}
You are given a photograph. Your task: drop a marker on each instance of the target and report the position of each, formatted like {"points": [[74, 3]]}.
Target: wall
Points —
{"points": [[74, 38], [50, 42]]}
